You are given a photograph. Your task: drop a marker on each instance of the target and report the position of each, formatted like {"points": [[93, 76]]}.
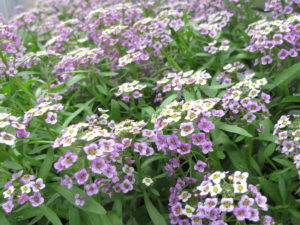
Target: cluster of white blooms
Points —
{"points": [[189, 110], [217, 183], [176, 81], [214, 23], [214, 47], [132, 89]]}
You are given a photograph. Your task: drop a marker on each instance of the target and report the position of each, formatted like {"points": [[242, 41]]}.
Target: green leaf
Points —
{"points": [[151, 159], [215, 87], [12, 165], [115, 110], [108, 74], [286, 76], [50, 215], [232, 129], [77, 112], [47, 164], [155, 216], [75, 80], [74, 217], [3, 219], [91, 205]]}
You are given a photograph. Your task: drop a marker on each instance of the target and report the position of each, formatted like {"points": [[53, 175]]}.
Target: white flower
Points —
{"points": [[240, 188], [215, 189], [3, 124], [216, 177], [25, 188], [6, 138], [184, 196], [188, 211], [147, 181], [239, 177], [8, 192]]}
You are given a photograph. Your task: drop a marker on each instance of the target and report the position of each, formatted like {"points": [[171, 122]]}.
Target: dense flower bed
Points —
{"points": [[151, 112]]}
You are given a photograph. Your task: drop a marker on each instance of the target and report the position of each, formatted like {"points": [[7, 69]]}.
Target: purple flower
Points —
{"points": [[254, 215], [110, 171], [92, 151], [173, 142], [287, 147], [206, 147], [22, 133], [198, 139], [266, 60], [68, 159], [176, 209], [261, 201], [81, 176], [91, 189], [8, 206], [246, 201], [210, 203], [98, 165], [184, 148], [249, 117], [37, 185], [205, 125], [23, 199], [36, 199], [67, 182], [186, 129], [200, 166], [51, 118], [126, 186], [282, 54], [107, 145], [253, 107], [241, 213], [79, 200]]}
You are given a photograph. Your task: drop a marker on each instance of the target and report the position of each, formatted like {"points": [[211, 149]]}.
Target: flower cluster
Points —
{"points": [[137, 37], [217, 200], [22, 188], [213, 24], [130, 89], [189, 111], [108, 151], [282, 8], [287, 129], [245, 100], [176, 81], [233, 72], [45, 105], [212, 47], [275, 40], [11, 50], [82, 58]]}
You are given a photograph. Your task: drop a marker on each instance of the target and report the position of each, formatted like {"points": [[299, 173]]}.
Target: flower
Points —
{"points": [[92, 151], [51, 118], [106, 145], [8, 206], [36, 199], [6, 138], [91, 189], [147, 181], [205, 125], [241, 213], [79, 200], [37, 185], [81, 176], [186, 129]]}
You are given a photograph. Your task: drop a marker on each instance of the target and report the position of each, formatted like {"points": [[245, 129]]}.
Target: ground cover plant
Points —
{"points": [[150, 112]]}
